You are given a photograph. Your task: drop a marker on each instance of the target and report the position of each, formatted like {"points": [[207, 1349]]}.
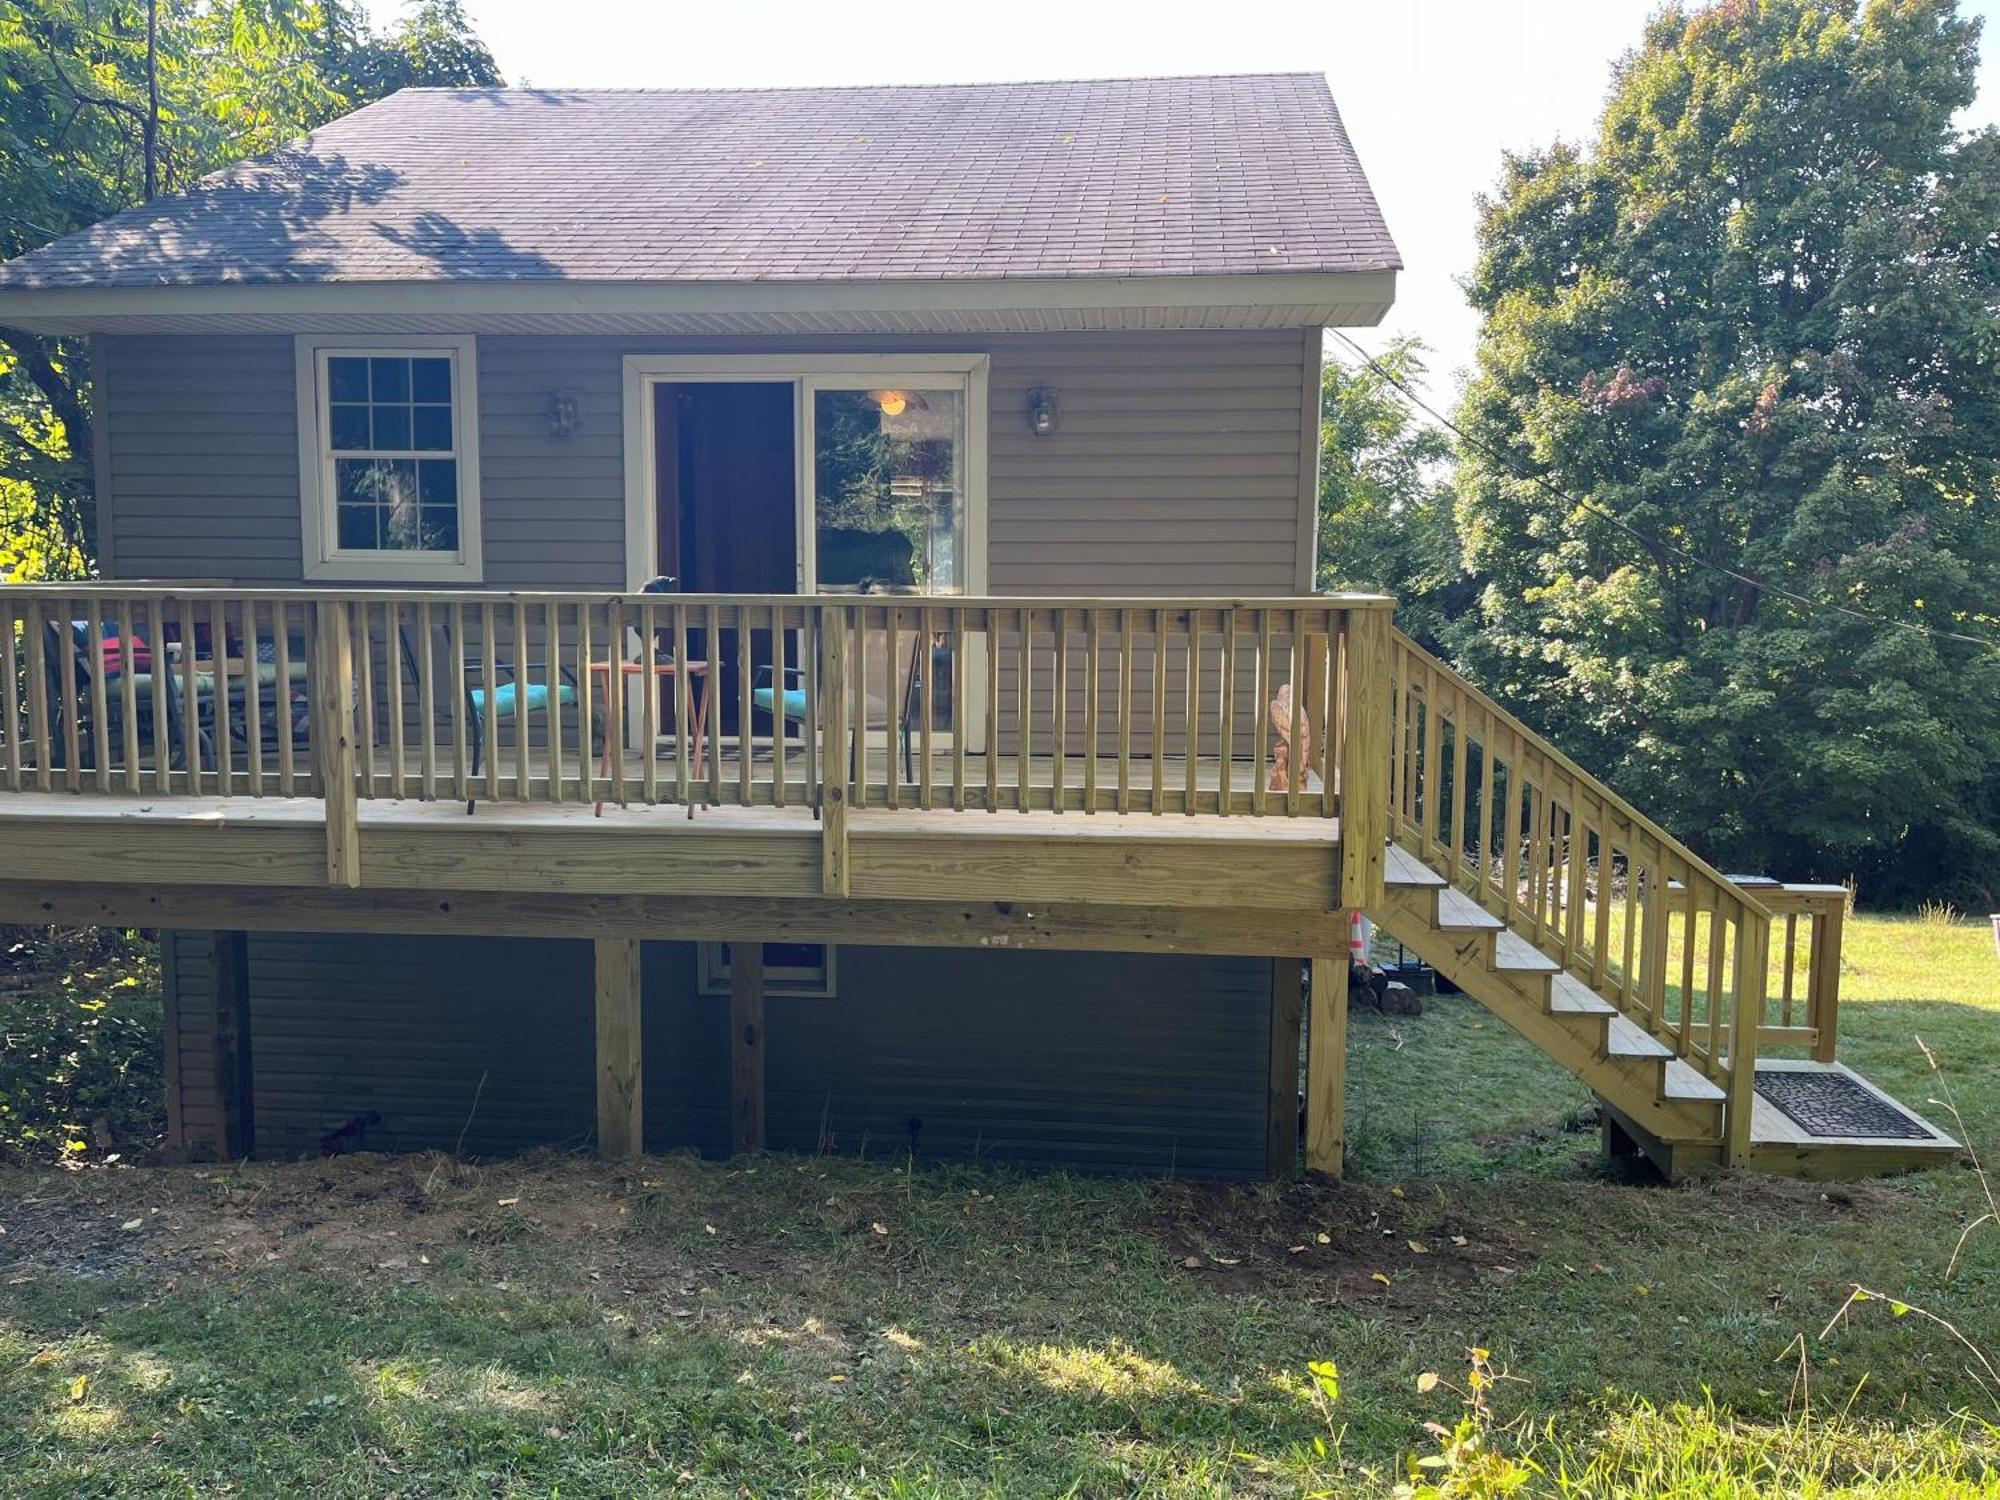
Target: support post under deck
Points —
{"points": [[1326, 1068], [621, 1122], [746, 1046]]}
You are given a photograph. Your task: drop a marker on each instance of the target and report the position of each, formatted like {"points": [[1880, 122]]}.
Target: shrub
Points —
{"points": [[80, 1045]]}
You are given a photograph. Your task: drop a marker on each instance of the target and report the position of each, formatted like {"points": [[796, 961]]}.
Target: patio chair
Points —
{"points": [[67, 649], [516, 698], [877, 690]]}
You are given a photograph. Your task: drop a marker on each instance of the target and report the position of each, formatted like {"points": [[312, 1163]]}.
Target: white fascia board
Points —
{"points": [[1349, 297]]}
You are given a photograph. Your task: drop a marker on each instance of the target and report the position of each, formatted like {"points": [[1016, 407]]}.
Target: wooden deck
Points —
{"points": [[1232, 884], [1189, 776]]}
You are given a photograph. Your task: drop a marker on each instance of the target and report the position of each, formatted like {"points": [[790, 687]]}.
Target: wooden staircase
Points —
{"points": [[1615, 1057], [1609, 944]]}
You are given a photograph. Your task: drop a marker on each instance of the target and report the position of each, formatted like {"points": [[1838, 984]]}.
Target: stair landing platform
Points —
{"points": [[1783, 1146]]}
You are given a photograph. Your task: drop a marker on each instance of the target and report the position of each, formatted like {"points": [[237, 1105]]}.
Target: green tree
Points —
{"points": [[106, 103], [1759, 323], [1385, 496]]}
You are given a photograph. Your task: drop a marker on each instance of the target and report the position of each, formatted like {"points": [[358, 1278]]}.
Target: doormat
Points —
{"points": [[1832, 1104]]}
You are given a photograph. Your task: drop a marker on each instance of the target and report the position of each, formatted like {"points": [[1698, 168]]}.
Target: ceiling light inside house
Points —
{"points": [[895, 403]]}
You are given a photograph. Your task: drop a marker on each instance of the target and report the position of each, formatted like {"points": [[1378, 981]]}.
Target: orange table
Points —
{"points": [[600, 682]]}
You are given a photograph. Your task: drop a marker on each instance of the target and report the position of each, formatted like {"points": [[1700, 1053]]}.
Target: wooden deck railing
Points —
{"points": [[1582, 874], [1804, 1009], [1155, 706]]}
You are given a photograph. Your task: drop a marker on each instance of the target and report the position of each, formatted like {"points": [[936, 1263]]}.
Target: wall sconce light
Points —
{"points": [[565, 409], [1044, 415]]}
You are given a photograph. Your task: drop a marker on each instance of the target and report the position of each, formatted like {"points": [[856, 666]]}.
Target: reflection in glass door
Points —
{"points": [[889, 490], [890, 517]]}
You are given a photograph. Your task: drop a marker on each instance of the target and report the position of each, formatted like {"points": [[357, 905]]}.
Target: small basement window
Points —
{"points": [[802, 969], [388, 466]]}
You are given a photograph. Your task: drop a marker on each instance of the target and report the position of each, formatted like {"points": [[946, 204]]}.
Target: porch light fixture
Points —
{"points": [[1044, 415], [565, 407]]}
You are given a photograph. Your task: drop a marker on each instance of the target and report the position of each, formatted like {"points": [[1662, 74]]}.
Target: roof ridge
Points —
{"points": [[859, 88]]}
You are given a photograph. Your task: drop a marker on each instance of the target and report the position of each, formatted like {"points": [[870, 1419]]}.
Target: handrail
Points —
{"points": [[1808, 971], [1579, 872], [1093, 705]]}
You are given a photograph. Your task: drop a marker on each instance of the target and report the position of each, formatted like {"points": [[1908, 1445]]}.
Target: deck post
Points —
{"points": [[234, 1099], [1753, 957], [1823, 1004], [621, 1122], [1281, 1150], [333, 739], [1364, 766], [746, 1046], [833, 754], [1326, 1068]]}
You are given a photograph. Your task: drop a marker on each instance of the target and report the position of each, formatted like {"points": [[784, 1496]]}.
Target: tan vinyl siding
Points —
{"points": [[1175, 468], [1179, 465], [204, 459]]}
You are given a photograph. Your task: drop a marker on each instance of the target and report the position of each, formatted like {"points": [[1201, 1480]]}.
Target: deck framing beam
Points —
{"points": [[922, 924]]}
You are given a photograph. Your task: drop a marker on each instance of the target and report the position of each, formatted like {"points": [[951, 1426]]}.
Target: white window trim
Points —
{"points": [[323, 558], [712, 976]]}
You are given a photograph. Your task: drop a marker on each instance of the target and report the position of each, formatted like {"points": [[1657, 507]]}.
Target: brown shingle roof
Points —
{"points": [[1132, 177]]}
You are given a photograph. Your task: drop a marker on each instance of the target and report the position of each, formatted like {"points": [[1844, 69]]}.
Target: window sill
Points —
{"points": [[414, 569]]}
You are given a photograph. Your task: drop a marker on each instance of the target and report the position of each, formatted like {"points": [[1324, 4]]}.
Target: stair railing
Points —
{"points": [[1579, 872]]}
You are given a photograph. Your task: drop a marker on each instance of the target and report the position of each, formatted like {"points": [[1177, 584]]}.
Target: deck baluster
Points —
{"points": [[13, 719], [1160, 619], [100, 760], [1125, 645], [992, 727], [427, 748], [959, 728], [552, 681]]}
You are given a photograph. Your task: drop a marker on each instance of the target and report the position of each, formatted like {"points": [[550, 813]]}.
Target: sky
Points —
{"points": [[1432, 91]]}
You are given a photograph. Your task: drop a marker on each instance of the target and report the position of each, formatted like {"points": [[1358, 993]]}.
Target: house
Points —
{"points": [[784, 618]]}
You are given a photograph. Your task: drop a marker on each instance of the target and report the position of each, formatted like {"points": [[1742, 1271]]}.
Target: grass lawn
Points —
{"points": [[417, 1326]]}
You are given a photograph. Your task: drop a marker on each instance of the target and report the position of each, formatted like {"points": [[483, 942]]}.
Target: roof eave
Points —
{"points": [[1338, 298]]}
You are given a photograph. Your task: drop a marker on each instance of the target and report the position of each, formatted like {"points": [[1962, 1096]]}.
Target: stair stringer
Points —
{"points": [[1521, 997]]}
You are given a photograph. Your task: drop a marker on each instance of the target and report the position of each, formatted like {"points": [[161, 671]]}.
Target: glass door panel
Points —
{"points": [[889, 490]]}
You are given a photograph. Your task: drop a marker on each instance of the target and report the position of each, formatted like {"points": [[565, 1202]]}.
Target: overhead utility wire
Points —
{"points": [[1645, 540]]}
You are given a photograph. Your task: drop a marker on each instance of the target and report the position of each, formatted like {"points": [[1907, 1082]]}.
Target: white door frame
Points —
{"points": [[806, 373]]}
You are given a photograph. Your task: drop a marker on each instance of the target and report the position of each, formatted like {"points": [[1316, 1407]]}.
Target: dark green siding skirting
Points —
{"points": [[1103, 1062]]}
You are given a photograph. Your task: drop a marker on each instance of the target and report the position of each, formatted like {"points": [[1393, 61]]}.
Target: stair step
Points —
{"points": [[1456, 909], [1404, 868], [1571, 996], [1625, 1038], [1515, 952], [1683, 1081]]}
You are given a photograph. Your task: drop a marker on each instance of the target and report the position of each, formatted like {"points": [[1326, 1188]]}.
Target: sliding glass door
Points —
{"points": [[891, 510], [888, 474]]}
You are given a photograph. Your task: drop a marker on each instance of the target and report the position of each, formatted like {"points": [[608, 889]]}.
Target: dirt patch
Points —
{"points": [[1787, 1199], [1365, 1246], [383, 1212], [664, 1230]]}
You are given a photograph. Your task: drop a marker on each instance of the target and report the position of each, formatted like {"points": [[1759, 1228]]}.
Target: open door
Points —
{"points": [[727, 482]]}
